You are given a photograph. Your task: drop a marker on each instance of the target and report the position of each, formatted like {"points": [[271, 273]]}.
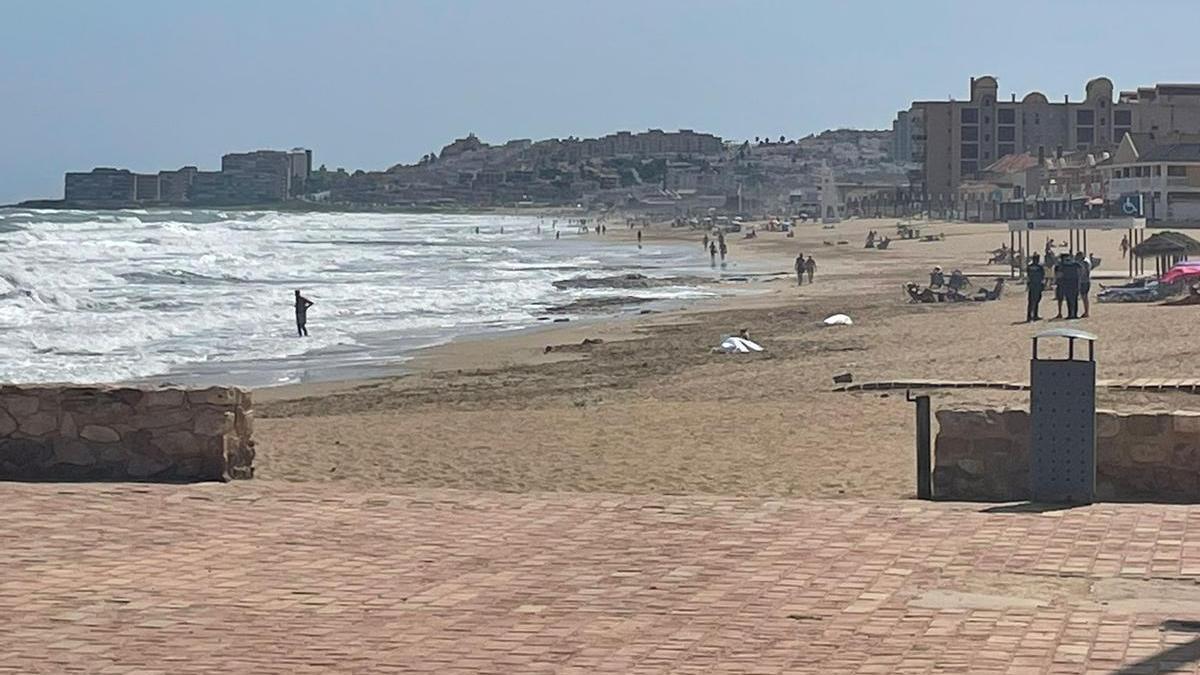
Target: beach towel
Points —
{"points": [[739, 345]]}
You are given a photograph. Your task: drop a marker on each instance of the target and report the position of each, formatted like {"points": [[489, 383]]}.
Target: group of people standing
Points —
{"points": [[1072, 283]]}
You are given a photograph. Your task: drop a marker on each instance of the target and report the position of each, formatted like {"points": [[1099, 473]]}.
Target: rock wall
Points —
{"points": [[1145, 456], [121, 433]]}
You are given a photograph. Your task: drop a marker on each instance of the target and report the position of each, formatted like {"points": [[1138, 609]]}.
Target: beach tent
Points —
{"points": [[1187, 272]]}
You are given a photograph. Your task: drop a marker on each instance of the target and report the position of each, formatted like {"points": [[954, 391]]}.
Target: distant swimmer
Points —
{"points": [[556, 233], [302, 305]]}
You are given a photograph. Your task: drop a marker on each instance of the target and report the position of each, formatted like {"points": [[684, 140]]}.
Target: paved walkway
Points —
{"points": [[272, 577]]}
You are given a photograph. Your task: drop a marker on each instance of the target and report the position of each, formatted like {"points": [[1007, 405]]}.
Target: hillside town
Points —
{"points": [[982, 158]]}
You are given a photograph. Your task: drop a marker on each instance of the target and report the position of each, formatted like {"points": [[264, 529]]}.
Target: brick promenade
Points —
{"points": [[283, 578]]}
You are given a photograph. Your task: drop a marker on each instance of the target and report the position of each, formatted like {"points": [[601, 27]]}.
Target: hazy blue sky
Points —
{"points": [[158, 84]]}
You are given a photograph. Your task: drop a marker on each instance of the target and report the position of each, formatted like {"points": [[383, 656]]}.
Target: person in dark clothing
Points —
{"points": [[712, 253], [302, 305], [810, 266], [1058, 282], [1070, 284], [800, 270], [639, 238], [1035, 275]]}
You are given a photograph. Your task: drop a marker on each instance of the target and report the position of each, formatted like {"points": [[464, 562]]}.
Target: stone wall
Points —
{"points": [[1144, 456], [121, 433]]}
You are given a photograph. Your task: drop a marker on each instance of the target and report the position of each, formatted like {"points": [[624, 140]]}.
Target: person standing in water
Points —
{"points": [[639, 238], [712, 253], [302, 305]]}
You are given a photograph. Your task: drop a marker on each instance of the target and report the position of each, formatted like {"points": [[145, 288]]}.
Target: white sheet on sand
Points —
{"points": [[838, 320], [739, 345]]}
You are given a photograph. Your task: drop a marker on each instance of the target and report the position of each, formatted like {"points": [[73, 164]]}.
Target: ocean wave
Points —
{"points": [[109, 296]]}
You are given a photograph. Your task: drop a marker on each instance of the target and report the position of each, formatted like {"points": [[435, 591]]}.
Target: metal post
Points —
{"points": [[924, 452]]}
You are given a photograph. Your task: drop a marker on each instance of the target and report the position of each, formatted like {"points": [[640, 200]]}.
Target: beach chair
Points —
{"points": [[921, 296], [984, 295]]}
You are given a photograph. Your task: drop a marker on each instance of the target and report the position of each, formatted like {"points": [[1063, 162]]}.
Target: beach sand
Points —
{"points": [[651, 410]]}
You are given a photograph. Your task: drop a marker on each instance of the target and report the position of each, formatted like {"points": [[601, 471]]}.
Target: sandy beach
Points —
{"points": [[649, 409]]}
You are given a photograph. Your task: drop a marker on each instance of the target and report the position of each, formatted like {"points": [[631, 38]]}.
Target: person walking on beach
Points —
{"points": [[800, 270], [810, 266], [1124, 246], [712, 254], [639, 238], [705, 245], [1085, 282], [1036, 276], [302, 305]]}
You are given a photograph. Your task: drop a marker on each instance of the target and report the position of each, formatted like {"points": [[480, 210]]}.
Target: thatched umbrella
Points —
{"points": [[1167, 248]]}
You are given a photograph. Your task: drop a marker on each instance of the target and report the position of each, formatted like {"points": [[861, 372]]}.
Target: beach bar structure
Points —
{"points": [[1167, 249], [1077, 229]]}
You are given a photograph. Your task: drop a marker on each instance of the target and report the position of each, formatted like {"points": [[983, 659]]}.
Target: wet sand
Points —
{"points": [[649, 409]]}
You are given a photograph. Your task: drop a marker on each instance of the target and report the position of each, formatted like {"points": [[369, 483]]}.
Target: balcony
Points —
{"points": [[1119, 186]]}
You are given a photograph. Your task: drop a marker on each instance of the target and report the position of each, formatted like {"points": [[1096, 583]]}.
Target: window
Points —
{"points": [[1176, 171], [1006, 134], [1103, 121], [1006, 116], [1157, 169], [1085, 134], [970, 115], [970, 151], [1085, 117], [970, 134], [987, 120], [1125, 172], [967, 167], [987, 155], [1119, 133], [1006, 149], [1123, 118], [987, 138]]}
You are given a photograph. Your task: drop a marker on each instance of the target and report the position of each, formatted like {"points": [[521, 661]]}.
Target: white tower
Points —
{"points": [[831, 210]]}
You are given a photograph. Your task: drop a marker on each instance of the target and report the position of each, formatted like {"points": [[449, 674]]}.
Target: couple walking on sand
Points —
{"points": [[805, 267]]}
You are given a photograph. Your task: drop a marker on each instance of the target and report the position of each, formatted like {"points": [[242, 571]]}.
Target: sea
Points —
{"points": [[206, 296]]}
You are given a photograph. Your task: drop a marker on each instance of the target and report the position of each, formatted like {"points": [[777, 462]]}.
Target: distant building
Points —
{"points": [[955, 140], [145, 187], [255, 177], [212, 187], [901, 138], [299, 169], [1164, 170], [101, 187], [174, 186]]}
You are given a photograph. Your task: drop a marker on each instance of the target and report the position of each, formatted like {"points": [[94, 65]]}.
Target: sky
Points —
{"points": [[150, 85]]}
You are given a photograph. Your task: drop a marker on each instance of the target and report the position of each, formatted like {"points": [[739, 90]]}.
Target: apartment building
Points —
{"points": [[954, 140], [102, 185]]}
